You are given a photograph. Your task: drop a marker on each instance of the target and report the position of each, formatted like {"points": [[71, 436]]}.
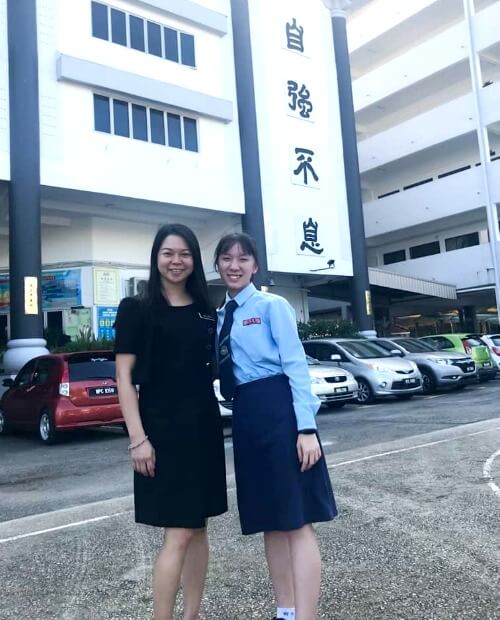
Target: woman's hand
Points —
{"points": [[308, 450], [144, 459]]}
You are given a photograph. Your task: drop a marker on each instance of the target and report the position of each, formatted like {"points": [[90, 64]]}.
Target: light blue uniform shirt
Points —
{"points": [[265, 342]]}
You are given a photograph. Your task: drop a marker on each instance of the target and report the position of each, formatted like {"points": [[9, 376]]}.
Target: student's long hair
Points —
{"points": [[196, 284], [246, 243]]}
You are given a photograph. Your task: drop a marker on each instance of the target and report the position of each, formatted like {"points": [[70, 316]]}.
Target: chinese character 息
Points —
{"points": [[300, 98], [310, 242], [294, 36], [304, 157]]}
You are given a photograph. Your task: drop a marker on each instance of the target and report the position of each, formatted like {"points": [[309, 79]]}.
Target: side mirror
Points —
{"points": [[397, 352], [335, 357], [8, 382]]}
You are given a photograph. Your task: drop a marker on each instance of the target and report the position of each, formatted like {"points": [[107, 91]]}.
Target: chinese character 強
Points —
{"points": [[300, 98]]}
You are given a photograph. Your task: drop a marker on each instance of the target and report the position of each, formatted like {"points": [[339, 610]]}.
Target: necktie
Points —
{"points": [[226, 374]]}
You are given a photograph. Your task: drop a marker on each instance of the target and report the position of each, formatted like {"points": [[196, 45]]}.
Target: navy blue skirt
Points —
{"points": [[273, 494]]}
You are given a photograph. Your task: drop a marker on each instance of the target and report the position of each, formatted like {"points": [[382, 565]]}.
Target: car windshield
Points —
{"points": [[388, 346], [415, 346], [495, 340], [312, 361], [98, 367], [362, 349]]}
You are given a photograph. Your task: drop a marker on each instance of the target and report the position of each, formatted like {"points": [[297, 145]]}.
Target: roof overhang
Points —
{"points": [[389, 279]]}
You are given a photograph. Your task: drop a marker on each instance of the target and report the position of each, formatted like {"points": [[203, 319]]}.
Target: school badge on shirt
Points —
{"points": [[255, 320]]}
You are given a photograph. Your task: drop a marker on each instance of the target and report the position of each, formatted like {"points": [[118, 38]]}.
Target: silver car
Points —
{"points": [[333, 386], [438, 368], [377, 372]]}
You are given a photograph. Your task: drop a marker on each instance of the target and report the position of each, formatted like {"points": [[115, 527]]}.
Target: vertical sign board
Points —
{"points": [[300, 141]]}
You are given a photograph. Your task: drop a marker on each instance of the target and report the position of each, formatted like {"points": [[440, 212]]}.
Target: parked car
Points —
{"points": [[492, 341], [468, 344], [438, 369], [333, 386], [60, 392], [377, 372]]}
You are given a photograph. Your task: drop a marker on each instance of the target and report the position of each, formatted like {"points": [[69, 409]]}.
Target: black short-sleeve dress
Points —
{"points": [[179, 412]]}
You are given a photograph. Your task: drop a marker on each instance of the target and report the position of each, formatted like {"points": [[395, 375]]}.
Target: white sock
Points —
{"points": [[287, 613]]}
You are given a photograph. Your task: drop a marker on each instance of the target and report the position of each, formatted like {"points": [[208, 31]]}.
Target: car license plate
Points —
{"points": [[340, 390], [486, 364], [102, 391], [410, 381]]}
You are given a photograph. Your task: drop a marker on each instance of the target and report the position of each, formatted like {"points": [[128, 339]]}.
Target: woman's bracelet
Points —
{"points": [[132, 446]]}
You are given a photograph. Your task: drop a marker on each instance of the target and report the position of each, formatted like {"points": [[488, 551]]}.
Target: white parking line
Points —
{"points": [[487, 473], [409, 449]]}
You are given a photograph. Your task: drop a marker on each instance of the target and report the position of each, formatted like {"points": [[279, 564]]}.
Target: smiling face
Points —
{"points": [[175, 261], [236, 268]]}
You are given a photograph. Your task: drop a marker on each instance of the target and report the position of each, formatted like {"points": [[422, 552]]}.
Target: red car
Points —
{"points": [[59, 392]]}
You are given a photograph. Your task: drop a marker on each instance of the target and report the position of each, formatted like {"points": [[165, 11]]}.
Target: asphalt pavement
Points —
{"points": [[417, 536]]}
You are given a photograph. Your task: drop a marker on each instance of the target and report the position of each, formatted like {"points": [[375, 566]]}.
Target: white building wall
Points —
{"points": [[76, 156], [4, 96]]}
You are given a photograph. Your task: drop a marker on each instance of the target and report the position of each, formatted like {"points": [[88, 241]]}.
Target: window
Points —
{"points": [[120, 117], [143, 35], [462, 241], [25, 374], [137, 33], [43, 371], [425, 249], [102, 119], [174, 131], [127, 119], [190, 135], [157, 123], [440, 343], [100, 21], [139, 122], [154, 39], [394, 257], [187, 50], [171, 44], [118, 27]]}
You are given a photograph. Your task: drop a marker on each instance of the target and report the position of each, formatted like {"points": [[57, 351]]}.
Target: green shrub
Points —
{"points": [[85, 341], [327, 328]]}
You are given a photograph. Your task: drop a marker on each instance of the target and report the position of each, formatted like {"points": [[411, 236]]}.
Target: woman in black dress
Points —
{"points": [[164, 343]]}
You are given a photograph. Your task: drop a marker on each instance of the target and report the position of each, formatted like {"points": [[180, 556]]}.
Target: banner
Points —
{"points": [[106, 318]]}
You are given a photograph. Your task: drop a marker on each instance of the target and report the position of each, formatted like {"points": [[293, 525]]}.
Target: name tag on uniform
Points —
{"points": [[253, 321]]}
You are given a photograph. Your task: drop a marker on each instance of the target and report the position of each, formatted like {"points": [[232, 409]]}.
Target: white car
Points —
{"points": [[333, 386], [492, 341]]}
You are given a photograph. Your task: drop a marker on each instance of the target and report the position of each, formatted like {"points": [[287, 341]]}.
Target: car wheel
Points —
{"points": [[336, 405], [4, 426], [365, 393], [404, 396], [428, 382], [46, 428]]}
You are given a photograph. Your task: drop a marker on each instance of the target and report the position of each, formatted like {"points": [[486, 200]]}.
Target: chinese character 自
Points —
{"points": [[300, 98], [305, 158], [310, 242], [294, 36]]}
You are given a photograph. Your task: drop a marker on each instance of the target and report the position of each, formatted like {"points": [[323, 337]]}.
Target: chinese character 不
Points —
{"points": [[305, 158], [311, 237], [300, 98], [294, 36]]}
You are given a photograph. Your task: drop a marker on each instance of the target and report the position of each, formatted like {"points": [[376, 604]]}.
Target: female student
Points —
{"points": [[281, 477], [164, 343]]}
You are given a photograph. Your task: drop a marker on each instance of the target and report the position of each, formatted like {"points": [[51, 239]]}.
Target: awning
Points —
{"points": [[389, 279]]}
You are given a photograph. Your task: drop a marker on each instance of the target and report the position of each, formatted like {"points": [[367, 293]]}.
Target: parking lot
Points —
{"points": [[417, 535]]}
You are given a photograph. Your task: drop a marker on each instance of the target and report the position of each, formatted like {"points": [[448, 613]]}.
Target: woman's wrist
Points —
{"points": [[135, 444]]}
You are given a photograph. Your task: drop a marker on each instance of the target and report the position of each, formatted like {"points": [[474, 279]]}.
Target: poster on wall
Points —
{"points": [[60, 289], [106, 317], [77, 321], [106, 287]]}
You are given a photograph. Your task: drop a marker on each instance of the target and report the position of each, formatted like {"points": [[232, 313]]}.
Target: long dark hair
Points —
{"points": [[246, 243], [196, 284]]}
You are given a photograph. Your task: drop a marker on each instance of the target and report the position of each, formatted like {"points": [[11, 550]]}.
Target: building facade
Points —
{"points": [[425, 187]]}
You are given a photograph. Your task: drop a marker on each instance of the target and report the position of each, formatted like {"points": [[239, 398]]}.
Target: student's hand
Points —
{"points": [[308, 450], [144, 459]]}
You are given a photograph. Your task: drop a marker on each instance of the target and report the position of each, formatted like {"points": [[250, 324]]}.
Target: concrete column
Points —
{"points": [[26, 318], [360, 286]]}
